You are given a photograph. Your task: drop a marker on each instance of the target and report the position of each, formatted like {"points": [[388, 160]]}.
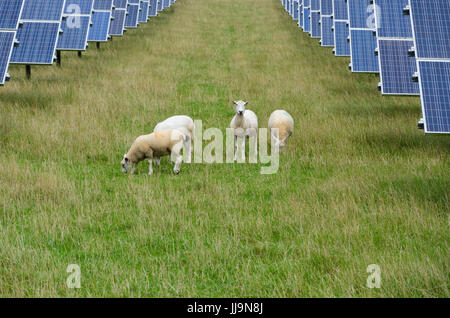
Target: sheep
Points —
{"points": [[154, 146], [283, 121], [244, 124], [184, 124]]}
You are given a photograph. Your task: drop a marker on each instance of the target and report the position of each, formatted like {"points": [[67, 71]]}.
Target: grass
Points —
{"points": [[358, 183]]}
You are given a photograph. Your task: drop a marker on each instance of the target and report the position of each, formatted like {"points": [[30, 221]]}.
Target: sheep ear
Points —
{"points": [[234, 102], [246, 103]]}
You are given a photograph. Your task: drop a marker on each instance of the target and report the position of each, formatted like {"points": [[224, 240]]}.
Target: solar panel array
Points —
{"points": [[402, 40], [33, 31]]}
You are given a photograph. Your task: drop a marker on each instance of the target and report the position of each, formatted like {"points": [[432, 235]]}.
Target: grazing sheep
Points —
{"points": [[154, 146], [184, 124], [244, 124], [283, 121]]}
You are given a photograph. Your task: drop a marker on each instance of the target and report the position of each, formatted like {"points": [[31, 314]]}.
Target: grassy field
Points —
{"points": [[358, 183]]}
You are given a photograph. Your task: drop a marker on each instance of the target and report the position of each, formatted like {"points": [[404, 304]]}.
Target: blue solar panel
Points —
{"points": [[306, 20], [341, 33], [143, 13], [327, 31], [10, 11], [83, 7], [326, 7], [117, 25], [300, 14], [362, 47], [361, 14], [75, 32], [295, 10], [131, 20], [43, 10], [431, 25], [396, 67], [390, 20], [120, 4], [133, 1], [100, 26], [340, 10], [37, 43], [315, 5], [435, 95], [166, 3], [6, 45], [315, 24], [103, 5], [153, 12], [160, 6]]}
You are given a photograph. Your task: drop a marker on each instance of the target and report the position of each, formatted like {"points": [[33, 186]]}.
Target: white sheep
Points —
{"points": [[154, 146], [283, 121], [184, 124], [244, 124]]}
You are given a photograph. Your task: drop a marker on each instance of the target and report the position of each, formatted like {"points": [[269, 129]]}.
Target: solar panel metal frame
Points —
{"points": [[132, 15], [424, 60], [300, 14], [393, 36], [66, 15], [295, 10], [357, 29], [19, 14], [340, 20], [153, 9], [306, 13], [117, 23]]}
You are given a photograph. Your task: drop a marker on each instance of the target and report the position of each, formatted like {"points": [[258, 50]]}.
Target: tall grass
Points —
{"points": [[358, 183]]}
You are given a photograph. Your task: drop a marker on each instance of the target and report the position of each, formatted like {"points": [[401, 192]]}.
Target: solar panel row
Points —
{"points": [[380, 38]]}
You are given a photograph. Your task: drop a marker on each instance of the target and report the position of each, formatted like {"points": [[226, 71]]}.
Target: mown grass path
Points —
{"points": [[357, 185]]}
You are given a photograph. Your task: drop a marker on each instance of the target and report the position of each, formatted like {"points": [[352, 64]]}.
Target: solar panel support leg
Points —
{"points": [[98, 45], [28, 71], [58, 58], [79, 54]]}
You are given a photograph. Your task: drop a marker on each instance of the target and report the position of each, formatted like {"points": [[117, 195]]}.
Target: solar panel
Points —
{"points": [[75, 25], [295, 10], [100, 26], [396, 67], [166, 3], [326, 23], [37, 43], [434, 78], [341, 33], [117, 25], [6, 46], [42, 10], [363, 42], [160, 6], [143, 13], [315, 24], [315, 5], [300, 13], [340, 10], [431, 24], [326, 7], [153, 12], [362, 47], [306, 13], [10, 11], [394, 37], [101, 19], [131, 20]]}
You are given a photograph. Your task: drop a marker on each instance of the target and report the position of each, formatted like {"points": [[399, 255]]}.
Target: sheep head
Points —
{"points": [[126, 164], [240, 107]]}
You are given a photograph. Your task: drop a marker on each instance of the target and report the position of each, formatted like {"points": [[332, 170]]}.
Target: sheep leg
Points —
{"points": [[133, 170], [178, 158], [158, 161], [150, 169]]}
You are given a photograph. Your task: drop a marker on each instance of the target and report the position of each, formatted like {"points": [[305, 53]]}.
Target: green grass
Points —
{"points": [[358, 183]]}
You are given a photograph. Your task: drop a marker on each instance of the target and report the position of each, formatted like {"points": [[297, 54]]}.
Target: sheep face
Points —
{"points": [[125, 163], [240, 107]]}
